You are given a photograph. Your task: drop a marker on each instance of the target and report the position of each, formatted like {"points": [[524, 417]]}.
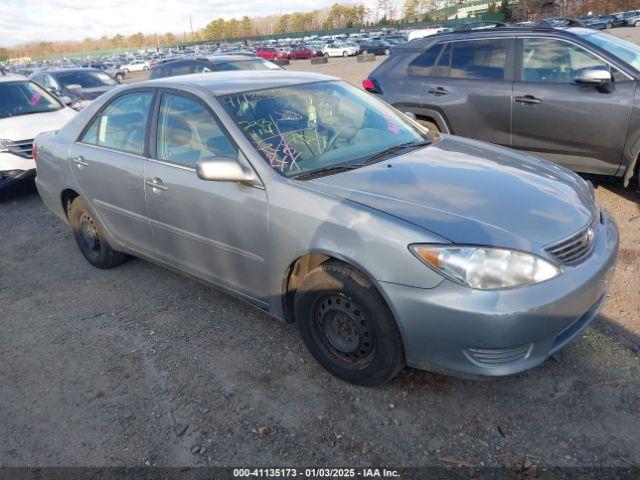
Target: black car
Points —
{"points": [[564, 94], [219, 63], [80, 86], [375, 47], [605, 22]]}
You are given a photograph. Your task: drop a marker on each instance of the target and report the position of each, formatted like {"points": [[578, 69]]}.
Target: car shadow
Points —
{"points": [[18, 190]]}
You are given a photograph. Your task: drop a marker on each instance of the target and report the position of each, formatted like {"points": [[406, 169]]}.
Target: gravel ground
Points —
{"points": [[141, 366]]}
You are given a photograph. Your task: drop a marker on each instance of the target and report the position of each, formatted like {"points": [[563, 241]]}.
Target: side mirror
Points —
{"points": [[593, 76], [224, 169], [66, 100]]}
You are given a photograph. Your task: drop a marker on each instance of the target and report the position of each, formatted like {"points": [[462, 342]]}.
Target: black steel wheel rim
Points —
{"points": [[89, 235], [344, 330]]}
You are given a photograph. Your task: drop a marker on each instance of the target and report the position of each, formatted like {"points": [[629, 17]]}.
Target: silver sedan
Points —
{"points": [[387, 244]]}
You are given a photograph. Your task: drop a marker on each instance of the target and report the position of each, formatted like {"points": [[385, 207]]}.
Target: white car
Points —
{"points": [[340, 50], [135, 65], [426, 32], [26, 110]]}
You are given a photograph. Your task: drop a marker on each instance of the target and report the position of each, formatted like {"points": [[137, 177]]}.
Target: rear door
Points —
{"points": [[108, 162], [216, 230], [578, 126], [469, 83]]}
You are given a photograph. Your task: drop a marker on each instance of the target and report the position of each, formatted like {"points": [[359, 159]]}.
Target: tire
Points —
{"points": [[326, 54], [347, 326], [345, 54], [608, 26], [636, 23], [366, 52], [119, 78], [145, 68], [387, 52], [126, 71], [90, 237]]}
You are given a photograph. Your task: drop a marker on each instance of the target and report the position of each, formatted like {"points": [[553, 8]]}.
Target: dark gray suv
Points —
{"points": [[564, 94]]}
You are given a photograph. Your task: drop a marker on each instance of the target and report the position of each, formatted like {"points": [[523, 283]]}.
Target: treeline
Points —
{"points": [[338, 16]]}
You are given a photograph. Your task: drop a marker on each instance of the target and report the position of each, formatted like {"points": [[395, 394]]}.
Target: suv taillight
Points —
{"points": [[371, 86], [35, 152]]}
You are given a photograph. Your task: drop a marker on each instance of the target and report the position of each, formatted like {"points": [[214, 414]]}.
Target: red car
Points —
{"points": [[271, 53], [302, 52]]}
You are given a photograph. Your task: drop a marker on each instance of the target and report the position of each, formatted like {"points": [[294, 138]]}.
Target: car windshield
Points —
{"points": [[248, 65], [88, 79], [623, 49], [311, 127], [23, 98]]}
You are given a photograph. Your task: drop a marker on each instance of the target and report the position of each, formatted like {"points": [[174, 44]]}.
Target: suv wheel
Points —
{"points": [[347, 326], [90, 238]]}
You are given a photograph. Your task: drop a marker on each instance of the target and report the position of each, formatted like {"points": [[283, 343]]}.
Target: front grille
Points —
{"points": [[575, 248], [497, 357], [22, 148]]}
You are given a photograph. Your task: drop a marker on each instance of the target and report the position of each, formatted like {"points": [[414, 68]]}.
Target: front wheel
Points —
{"points": [[90, 239], [145, 68], [387, 52], [347, 326], [126, 71], [608, 26], [636, 23], [345, 54], [326, 54]]}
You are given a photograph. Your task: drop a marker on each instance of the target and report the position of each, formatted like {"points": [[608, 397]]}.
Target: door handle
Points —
{"points": [[79, 161], [438, 91], [157, 184], [527, 100]]}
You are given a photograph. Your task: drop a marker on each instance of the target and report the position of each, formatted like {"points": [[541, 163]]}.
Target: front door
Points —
{"points": [[216, 230], [108, 163], [470, 83], [578, 126]]}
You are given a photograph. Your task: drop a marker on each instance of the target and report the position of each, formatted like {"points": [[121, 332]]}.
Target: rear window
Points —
{"points": [[424, 62]]}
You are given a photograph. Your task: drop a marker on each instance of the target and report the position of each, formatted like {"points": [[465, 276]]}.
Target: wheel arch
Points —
{"points": [[429, 114], [66, 197]]}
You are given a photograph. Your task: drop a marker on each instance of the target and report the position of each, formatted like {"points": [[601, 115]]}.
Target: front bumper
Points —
{"points": [[455, 329]]}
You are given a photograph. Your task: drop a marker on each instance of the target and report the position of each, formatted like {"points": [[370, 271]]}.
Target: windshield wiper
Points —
{"points": [[319, 172], [394, 149]]}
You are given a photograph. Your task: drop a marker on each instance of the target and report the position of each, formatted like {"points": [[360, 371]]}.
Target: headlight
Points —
{"points": [[3, 145], [80, 104], [486, 268]]}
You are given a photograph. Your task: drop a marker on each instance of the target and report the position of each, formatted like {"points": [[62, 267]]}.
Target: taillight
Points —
{"points": [[35, 152], [371, 86]]}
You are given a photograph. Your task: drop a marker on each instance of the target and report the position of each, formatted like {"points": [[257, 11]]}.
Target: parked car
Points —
{"points": [[136, 65], [633, 20], [340, 49], [303, 52], [604, 22], [571, 98], [271, 53], [624, 17], [26, 109], [79, 85], [212, 64], [320, 204], [375, 47], [426, 32]]}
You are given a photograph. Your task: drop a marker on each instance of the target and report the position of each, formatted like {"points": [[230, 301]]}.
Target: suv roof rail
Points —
{"points": [[547, 23], [470, 25]]}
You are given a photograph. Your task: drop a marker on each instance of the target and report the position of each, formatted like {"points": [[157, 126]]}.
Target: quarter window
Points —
{"points": [[187, 132], [122, 124], [553, 61]]}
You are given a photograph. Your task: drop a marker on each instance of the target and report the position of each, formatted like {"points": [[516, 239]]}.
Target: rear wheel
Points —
{"points": [[90, 238], [326, 54], [347, 326], [429, 124], [636, 23], [608, 26], [387, 52]]}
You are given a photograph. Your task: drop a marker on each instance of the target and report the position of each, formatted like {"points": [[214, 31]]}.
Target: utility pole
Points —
{"points": [[191, 23]]}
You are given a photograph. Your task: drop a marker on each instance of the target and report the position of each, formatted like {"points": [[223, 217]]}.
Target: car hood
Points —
{"points": [[472, 193], [25, 127]]}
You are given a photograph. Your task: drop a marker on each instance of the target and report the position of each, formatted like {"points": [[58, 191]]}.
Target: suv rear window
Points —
{"points": [[475, 59]]}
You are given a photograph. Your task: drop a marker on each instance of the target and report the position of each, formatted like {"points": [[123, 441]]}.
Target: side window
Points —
{"points": [[441, 69], [479, 59], [180, 69], [122, 124], [201, 68], [424, 62], [188, 132], [555, 61]]}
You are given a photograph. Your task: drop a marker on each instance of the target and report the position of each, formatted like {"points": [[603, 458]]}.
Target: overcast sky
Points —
{"points": [[33, 20]]}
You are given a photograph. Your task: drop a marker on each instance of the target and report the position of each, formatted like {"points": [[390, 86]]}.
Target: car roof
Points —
{"points": [[494, 32], [11, 77], [215, 59], [75, 69], [226, 83]]}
